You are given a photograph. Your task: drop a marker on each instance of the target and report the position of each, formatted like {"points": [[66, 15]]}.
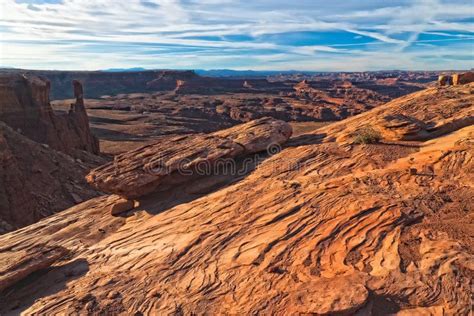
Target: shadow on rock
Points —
{"points": [[306, 139], [198, 186], [42, 283]]}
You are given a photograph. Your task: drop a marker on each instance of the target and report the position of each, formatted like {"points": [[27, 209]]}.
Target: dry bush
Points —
{"points": [[367, 135]]}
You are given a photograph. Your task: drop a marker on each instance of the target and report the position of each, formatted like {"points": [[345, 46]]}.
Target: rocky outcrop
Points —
{"points": [[24, 106], [205, 85], [256, 136], [327, 227], [337, 100], [180, 158], [208, 85], [169, 80], [402, 127], [23, 263], [463, 78], [435, 113], [456, 79], [101, 83], [120, 205], [444, 80], [37, 181]]}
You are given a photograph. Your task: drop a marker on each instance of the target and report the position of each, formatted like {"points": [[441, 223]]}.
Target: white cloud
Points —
{"points": [[94, 34]]}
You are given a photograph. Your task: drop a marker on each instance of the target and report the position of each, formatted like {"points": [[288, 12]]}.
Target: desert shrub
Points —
{"points": [[367, 135]]}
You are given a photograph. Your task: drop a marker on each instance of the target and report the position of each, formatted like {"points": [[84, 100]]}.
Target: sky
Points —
{"points": [[310, 35]]}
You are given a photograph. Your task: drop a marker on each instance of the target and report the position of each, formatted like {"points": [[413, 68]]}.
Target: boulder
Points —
{"points": [[463, 78], [178, 159], [443, 80], [399, 127], [120, 205]]}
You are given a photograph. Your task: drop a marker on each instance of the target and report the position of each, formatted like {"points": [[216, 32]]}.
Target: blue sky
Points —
{"points": [[252, 34]]}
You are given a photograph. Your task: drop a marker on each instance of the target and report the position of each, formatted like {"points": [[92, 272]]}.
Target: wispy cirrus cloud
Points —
{"points": [[265, 34]]}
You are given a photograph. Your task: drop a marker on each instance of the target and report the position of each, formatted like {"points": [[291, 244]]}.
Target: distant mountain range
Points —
{"points": [[134, 69], [221, 72], [247, 73]]}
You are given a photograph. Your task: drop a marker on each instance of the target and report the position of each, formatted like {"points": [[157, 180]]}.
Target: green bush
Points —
{"points": [[367, 135]]}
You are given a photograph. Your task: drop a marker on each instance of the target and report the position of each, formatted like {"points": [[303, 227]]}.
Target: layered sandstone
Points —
{"points": [[25, 106], [323, 227], [415, 117], [176, 159]]}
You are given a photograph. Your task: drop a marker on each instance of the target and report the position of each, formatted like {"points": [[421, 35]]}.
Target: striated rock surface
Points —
{"points": [[24, 106], [415, 117], [25, 262], [258, 135], [179, 158], [323, 227]]}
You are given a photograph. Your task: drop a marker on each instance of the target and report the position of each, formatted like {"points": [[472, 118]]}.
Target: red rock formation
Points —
{"points": [[444, 80], [21, 265], [456, 79], [24, 105], [169, 80], [327, 227], [462, 78], [37, 181], [176, 160]]}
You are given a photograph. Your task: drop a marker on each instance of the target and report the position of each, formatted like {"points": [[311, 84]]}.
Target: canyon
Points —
{"points": [[353, 194], [184, 102]]}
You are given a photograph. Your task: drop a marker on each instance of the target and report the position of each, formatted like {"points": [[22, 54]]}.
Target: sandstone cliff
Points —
{"points": [[24, 106], [99, 83], [325, 226], [37, 181]]}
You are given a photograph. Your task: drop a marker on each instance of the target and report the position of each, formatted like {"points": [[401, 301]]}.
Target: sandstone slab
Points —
{"points": [[19, 265], [179, 158]]}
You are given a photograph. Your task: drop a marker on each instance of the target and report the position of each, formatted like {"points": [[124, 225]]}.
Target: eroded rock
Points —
{"points": [[180, 158], [444, 80], [16, 266], [25, 106], [463, 78], [402, 127], [341, 296], [37, 181], [120, 205], [456, 79], [349, 231], [258, 135]]}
